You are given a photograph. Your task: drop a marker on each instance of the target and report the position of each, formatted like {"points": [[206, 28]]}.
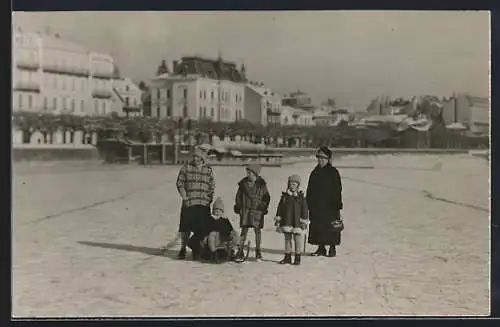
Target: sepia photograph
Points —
{"points": [[250, 164]]}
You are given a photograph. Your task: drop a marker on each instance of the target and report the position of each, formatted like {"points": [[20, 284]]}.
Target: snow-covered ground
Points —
{"points": [[86, 240]]}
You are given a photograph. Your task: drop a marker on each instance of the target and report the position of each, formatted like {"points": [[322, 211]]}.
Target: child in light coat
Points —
{"points": [[292, 218]]}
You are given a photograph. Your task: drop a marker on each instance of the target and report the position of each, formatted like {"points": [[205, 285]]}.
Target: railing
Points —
{"points": [[102, 94], [78, 71], [27, 64], [27, 86]]}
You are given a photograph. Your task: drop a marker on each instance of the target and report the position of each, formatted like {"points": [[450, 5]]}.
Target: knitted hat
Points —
{"points": [[294, 178], [324, 152], [218, 204], [254, 168], [199, 152]]}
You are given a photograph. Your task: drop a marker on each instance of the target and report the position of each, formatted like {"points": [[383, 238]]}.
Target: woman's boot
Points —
{"points": [[287, 259], [332, 252], [320, 251], [297, 260]]}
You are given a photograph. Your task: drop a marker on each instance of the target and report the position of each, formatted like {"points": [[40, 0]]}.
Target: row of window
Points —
{"points": [[26, 101], [223, 113], [223, 96], [63, 82]]}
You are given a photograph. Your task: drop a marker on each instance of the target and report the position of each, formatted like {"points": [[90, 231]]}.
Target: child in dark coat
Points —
{"points": [[292, 218], [218, 230], [251, 204]]}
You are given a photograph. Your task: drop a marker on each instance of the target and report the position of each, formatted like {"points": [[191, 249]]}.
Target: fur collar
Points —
{"points": [[297, 193], [260, 182]]}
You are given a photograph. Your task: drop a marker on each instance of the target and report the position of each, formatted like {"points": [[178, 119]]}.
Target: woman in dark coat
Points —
{"points": [[324, 199]]}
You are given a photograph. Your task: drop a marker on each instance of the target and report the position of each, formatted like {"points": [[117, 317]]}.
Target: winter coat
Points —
{"points": [[293, 213], [324, 199], [252, 202]]}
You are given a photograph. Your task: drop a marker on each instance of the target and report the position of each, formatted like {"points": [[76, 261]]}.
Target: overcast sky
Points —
{"points": [[350, 56]]}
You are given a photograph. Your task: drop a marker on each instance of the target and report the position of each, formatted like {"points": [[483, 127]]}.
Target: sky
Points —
{"points": [[351, 56]]}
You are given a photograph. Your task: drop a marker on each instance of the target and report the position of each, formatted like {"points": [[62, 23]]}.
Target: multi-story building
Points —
{"points": [[295, 116], [54, 75], [328, 116], [127, 97], [262, 105], [470, 111], [299, 100], [199, 88]]}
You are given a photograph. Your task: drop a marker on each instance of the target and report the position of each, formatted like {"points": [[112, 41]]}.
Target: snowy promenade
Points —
{"points": [[86, 243]]}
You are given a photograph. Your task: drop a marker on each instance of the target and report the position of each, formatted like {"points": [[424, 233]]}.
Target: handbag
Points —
{"points": [[338, 224]]}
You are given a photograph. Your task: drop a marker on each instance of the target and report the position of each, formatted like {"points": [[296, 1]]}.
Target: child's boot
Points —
{"points": [[287, 259], [297, 260], [258, 254]]}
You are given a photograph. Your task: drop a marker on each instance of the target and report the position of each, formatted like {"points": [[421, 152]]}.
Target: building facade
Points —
{"points": [[127, 97], [262, 105], [470, 111], [199, 88], [300, 100], [54, 75], [294, 116]]}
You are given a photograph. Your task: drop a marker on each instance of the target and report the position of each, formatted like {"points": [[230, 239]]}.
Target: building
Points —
{"points": [[299, 100], [262, 105], [199, 88], [295, 116], [58, 76], [330, 116], [470, 111], [386, 106], [127, 97]]}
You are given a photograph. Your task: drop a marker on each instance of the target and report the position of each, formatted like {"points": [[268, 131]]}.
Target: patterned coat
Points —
{"points": [[251, 203], [197, 184], [293, 212]]}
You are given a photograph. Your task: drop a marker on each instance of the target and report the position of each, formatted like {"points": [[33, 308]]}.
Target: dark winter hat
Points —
{"points": [[324, 152], [294, 178], [255, 168], [218, 204]]}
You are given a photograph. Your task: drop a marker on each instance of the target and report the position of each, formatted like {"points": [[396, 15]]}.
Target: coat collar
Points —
{"points": [[259, 182]]}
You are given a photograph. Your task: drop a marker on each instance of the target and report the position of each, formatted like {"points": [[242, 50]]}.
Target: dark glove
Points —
{"points": [[236, 210]]}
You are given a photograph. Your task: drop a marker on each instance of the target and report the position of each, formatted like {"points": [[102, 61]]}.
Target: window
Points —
{"points": [[135, 102], [169, 111], [20, 100], [127, 88], [158, 111], [185, 93], [212, 112], [103, 107], [168, 94], [54, 103], [201, 94], [30, 101], [158, 93], [127, 101], [185, 109], [204, 94], [212, 94], [45, 103], [96, 106], [200, 114], [73, 105], [82, 105]]}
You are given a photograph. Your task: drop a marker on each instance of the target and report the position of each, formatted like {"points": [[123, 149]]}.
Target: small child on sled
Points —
{"points": [[292, 218], [218, 231]]}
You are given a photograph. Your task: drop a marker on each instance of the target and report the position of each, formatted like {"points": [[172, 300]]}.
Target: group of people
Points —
{"points": [[204, 225]]}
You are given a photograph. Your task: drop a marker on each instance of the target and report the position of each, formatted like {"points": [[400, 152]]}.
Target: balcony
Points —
{"points": [[73, 71], [27, 86], [102, 74], [27, 64], [102, 94], [273, 112]]}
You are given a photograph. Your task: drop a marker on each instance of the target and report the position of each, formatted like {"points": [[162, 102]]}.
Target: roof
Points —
{"points": [[55, 42], [211, 68], [263, 91]]}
